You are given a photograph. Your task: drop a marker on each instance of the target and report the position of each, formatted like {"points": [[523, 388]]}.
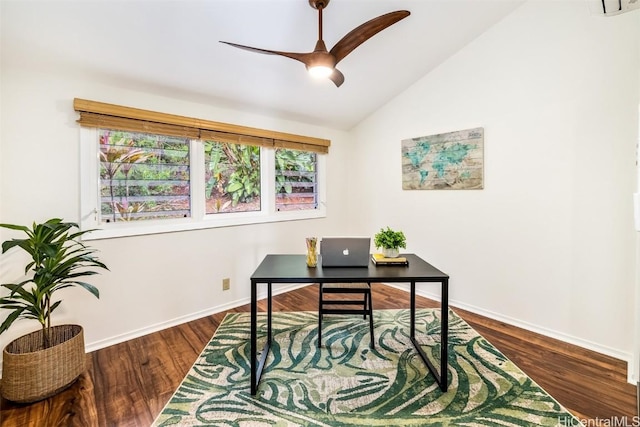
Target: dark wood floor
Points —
{"points": [[128, 384]]}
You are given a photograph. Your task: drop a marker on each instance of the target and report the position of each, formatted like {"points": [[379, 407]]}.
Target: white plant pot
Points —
{"points": [[390, 253]]}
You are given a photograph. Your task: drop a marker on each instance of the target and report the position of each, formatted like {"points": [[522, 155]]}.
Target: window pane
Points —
{"points": [[296, 180], [232, 177], [143, 176]]}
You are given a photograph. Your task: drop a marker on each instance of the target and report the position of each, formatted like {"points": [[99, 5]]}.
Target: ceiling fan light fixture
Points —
{"points": [[320, 71]]}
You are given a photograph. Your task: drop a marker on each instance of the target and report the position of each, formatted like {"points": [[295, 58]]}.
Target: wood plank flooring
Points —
{"points": [[128, 384]]}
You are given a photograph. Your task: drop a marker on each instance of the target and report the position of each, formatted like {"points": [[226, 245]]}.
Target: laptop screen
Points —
{"points": [[345, 251]]}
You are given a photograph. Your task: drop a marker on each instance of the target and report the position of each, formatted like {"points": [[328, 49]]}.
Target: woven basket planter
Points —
{"points": [[31, 373]]}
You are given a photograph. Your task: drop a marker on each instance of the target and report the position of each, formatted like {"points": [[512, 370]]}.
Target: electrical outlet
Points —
{"points": [[226, 284]]}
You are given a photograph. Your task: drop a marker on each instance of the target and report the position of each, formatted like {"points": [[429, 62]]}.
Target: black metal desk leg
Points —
{"points": [[258, 365], [412, 328], [254, 338], [320, 315], [444, 336], [442, 376], [269, 309]]}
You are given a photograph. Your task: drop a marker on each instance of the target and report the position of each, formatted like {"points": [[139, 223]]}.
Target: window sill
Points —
{"points": [[126, 229]]}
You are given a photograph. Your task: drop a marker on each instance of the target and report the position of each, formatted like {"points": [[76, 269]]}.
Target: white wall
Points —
{"points": [[156, 279], [636, 360], [549, 243]]}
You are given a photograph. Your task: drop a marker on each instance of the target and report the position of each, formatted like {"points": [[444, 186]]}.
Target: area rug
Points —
{"points": [[345, 383]]}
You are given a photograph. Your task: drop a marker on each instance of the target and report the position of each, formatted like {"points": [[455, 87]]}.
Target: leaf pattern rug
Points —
{"points": [[345, 383]]}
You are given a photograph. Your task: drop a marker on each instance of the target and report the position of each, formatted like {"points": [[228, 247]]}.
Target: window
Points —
{"points": [[296, 180], [141, 177], [232, 177]]}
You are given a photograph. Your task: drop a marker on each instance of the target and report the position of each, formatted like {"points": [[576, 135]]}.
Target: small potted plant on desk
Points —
{"points": [[42, 363], [390, 241]]}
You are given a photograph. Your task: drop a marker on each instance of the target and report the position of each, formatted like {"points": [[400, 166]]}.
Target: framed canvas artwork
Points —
{"points": [[446, 161]]}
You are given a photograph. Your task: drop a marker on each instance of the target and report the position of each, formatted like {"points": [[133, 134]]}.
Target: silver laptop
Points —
{"points": [[345, 251]]}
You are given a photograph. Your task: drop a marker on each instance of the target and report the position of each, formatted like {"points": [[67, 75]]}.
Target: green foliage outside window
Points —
{"points": [[296, 180], [143, 176], [293, 161], [232, 177]]}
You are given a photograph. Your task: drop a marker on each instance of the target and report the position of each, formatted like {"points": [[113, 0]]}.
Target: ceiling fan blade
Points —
{"points": [[337, 77], [302, 57], [320, 59], [364, 32]]}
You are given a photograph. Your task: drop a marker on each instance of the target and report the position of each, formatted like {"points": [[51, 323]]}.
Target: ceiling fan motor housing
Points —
{"points": [[318, 4]]}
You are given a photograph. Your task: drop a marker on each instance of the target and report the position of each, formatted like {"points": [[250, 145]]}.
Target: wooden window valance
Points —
{"points": [[110, 116]]}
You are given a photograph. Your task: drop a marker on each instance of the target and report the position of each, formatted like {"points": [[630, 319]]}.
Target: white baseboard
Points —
{"points": [[117, 339], [97, 345], [626, 357], [589, 345]]}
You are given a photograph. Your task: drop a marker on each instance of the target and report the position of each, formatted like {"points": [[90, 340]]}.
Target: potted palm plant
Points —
{"points": [[46, 361], [390, 241]]}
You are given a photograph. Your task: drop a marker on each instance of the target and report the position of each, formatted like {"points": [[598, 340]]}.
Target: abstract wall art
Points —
{"points": [[446, 161]]}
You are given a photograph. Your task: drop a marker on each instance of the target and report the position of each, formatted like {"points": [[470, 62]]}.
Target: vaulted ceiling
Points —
{"points": [[172, 47]]}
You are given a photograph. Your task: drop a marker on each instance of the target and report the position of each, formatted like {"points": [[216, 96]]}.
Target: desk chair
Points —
{"points": [[362, 306]]}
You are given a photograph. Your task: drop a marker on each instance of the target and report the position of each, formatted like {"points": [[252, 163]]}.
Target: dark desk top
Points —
{"points": [[293, 269]]}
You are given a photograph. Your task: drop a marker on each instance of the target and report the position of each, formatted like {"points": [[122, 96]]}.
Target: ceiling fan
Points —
{"points": [[321, 62]]}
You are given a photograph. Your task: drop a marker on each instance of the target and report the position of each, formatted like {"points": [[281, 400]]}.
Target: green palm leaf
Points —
{"points": [[58, 260]]}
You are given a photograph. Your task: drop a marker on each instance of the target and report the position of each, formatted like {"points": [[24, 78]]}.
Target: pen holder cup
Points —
{"points": [[312, 251]]}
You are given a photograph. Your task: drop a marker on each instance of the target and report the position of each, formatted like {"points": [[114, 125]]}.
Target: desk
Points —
{"points": [[293, 269]]}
